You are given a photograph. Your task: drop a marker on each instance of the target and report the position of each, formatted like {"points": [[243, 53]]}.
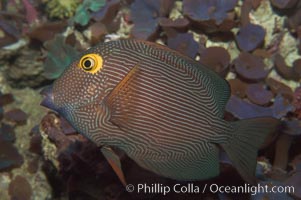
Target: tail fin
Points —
{"points": [[248, 136]]}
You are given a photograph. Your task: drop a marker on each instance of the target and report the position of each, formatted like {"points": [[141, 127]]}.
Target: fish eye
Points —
{"points": [[88, 64], [91, 63]]}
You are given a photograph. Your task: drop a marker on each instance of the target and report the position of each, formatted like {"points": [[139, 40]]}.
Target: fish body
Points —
{"points": [[163, 109]]}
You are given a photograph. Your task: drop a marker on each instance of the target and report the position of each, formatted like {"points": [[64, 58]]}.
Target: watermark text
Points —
{"points": [[191, 188]]}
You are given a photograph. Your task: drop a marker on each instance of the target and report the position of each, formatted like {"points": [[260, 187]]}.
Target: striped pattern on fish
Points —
{"points": [[164, 114], [164, 110]]}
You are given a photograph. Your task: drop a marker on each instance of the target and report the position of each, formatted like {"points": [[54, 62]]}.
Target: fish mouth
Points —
{"points": [[48, 100]]}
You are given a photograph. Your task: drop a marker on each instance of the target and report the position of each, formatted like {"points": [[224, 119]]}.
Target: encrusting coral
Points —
{"points": [[61, 9]]}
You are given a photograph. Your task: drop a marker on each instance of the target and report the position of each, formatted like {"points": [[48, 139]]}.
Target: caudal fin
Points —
{"points": [[248, 136]]}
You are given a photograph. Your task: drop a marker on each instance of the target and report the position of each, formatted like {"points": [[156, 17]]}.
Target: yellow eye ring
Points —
{"points": [[91, 63]]}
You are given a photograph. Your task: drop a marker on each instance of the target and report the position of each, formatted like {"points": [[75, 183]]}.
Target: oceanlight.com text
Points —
{"points": [[191, 188]]}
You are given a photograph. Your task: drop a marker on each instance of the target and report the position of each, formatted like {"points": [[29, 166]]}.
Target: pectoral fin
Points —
{"points": [[122, 89], [115, 163], [120, 99]]}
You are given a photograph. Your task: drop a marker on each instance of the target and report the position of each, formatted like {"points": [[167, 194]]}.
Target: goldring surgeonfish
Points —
{"points": [[163, 109]]}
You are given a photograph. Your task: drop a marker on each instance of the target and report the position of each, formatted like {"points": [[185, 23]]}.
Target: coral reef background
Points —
{"points": [[254, 44]]}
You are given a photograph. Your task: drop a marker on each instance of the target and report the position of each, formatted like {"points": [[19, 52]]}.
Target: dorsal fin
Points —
{"points": [[219, 87]]}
